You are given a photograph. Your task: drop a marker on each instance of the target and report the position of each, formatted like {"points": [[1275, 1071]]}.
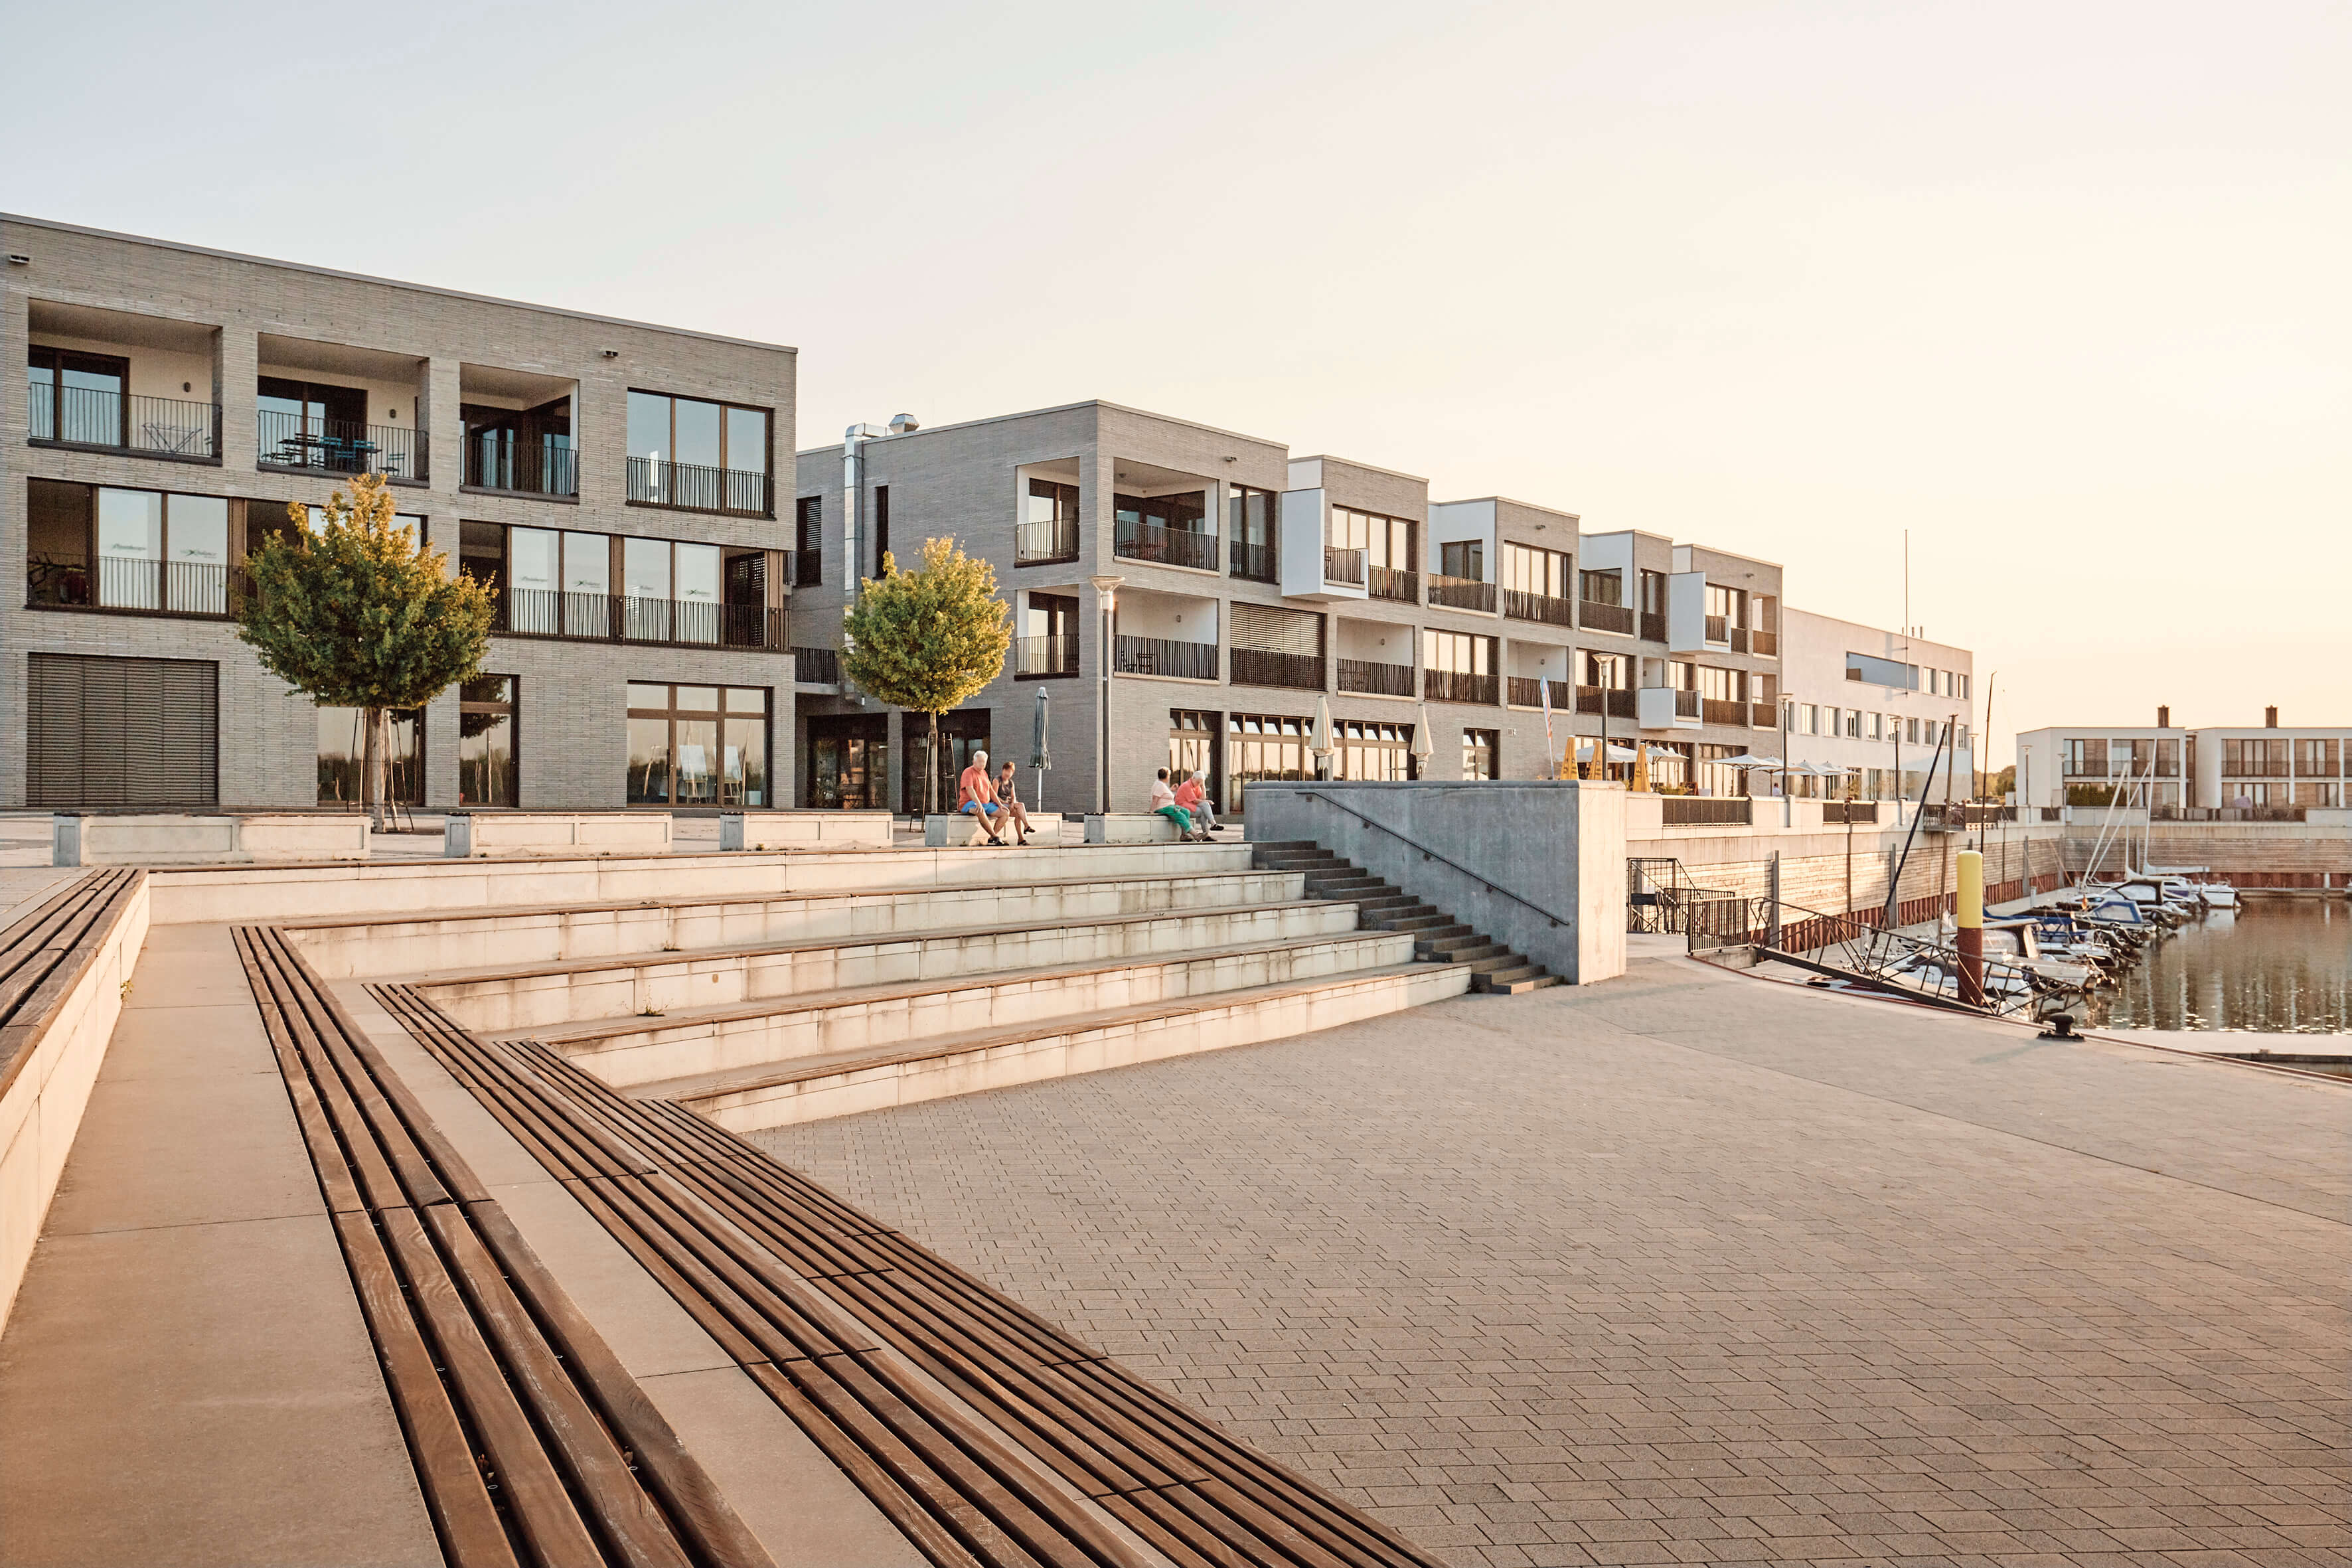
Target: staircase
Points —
{"points": [[1437, 937]]}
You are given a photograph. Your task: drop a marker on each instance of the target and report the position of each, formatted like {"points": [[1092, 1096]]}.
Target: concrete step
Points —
{"points": [[1342, 887], [1469, 952], [1514, 981], [1448, 933], [850, 1082], [762, 1035], [1417, 924], [514, 1000], [477, 938]]}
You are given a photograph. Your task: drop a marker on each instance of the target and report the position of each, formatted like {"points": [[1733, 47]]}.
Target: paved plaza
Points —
{"points": [[1689, 1267]]}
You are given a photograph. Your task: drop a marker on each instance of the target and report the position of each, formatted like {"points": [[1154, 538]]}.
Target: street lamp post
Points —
{"points": [[1107, 592]]}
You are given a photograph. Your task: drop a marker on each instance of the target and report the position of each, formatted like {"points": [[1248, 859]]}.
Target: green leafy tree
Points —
{"points": [[360, 613], [926, 640]]}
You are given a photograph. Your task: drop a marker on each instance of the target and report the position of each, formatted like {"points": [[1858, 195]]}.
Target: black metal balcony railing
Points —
{"points": [[1764, 644], [198, 589], [1167, 546], [1706, 810], [1343, 566], [1253, 561], [1718, 628], [1716, 710], [337, 445], [1035, 659], [1390, 583], [1521, 606], [1461, 592], [1594, 615], [816, 666], [1048, 540], [1376, 680], [1159, 655], [495, 463], [94, 416], [614, 617], [1653, 626], [1457, 685], [1619, 702], [691, 487], [1264, 667]]}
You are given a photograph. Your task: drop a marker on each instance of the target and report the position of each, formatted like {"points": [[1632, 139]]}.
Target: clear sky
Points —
{"points": [[2063, 288]]}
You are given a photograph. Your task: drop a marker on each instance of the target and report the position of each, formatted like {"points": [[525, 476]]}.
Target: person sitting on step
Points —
{"points": [[976, 796], [1192, 794], [1008, 795], [1163, 803]]}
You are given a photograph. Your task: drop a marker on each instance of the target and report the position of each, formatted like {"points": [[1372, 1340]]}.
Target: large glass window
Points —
{"points": [[1459, 653], [489, 770], [1386, 542], [77, 397], [1263, 746], [697, 745], [1602, 587], [1529, 570], [159, 551], [1463, 558], [1250, 517], [1481, 749], [342, 736], [695, 452]]}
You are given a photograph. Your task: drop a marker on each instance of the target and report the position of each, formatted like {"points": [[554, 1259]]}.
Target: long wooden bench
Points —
{"points": [[1074, 1460], [531, 1441]]}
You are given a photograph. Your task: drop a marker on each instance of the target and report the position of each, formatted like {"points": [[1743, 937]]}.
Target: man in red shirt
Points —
{"points": [[976, 795]]}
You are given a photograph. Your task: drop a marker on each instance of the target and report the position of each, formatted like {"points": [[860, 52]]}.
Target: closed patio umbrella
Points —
{"points": [[1423, 748], [1039, 757], [1318, 737]]}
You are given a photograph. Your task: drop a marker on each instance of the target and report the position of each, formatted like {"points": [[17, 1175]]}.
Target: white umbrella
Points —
{"points": [[1319, 734], [1617, 754], [1423, 747], [1744, 760]]}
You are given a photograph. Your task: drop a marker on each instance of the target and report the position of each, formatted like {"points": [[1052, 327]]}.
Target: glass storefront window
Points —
{"points": [[488, 767], [697, 745], [341, 751]]}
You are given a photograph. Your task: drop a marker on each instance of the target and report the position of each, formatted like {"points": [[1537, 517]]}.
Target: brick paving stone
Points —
{"points": [[1689, 1269]]}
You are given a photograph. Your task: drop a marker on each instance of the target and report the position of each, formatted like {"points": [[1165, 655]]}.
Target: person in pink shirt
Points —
{"points": [[1192, 794]]}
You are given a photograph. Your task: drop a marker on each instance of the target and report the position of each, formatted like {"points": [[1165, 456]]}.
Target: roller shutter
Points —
{"points": [[121, 731], [1271, 628]]}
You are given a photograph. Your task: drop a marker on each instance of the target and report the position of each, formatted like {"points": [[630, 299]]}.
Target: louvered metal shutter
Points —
{"points": [[1273, 629], [122, 732]]}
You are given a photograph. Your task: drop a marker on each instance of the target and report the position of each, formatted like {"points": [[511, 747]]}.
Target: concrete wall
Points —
{"points": [[1558, 847]]}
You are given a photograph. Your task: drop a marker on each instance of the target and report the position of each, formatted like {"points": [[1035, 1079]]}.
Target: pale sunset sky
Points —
{"points": [[2060, 288]]}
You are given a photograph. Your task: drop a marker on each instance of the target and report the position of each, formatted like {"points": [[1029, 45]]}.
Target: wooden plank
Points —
{"points": [[722, 1320], [379, 1187], [335, 1182], [443, 1456], [541, 1509], [1171, 1531]]}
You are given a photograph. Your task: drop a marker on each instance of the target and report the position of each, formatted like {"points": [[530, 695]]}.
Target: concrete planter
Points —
{"points": [[1130, 827], [473, 835], [953, 830], [804, 829], [174, 840]]}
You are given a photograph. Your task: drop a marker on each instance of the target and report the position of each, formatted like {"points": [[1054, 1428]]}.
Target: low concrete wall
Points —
{"points": [[1559, 845], [948, 830], [470, 835], [174, 840], [47, 1073], [802, 829], [1130, 827]]}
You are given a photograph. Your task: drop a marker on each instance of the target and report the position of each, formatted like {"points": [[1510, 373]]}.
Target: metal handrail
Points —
{"points": [[1429, 854]]}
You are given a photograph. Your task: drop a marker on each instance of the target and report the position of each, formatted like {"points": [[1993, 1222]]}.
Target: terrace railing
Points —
{"points": [[1038, 658], [495, 463], [1461, 592], [1046, 541], [618, 618], [816, 666], [196, 589], [1706, 810], [1618, 702], [94, 416], [1342, 565], [1521, 606], [692, 487], [1265, 667], [1392, 583], [284, 440], [1373, 680], [1459, 686], [1166, 546], [1596, 616], [1160, 656], [1253, 561]]}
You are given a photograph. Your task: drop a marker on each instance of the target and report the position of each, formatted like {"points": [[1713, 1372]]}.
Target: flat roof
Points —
{"points": [[389, 282], [1062, 408]]}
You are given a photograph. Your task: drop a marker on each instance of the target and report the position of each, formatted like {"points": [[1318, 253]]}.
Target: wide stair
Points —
{"points": [[765, 1012], [1437, 937]]}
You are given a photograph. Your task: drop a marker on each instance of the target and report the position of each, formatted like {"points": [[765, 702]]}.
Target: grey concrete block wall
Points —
{"points": [[574, 724], [1538, 866]]}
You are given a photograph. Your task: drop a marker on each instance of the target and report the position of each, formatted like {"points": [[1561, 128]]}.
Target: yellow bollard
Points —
{"points": [[1968, 917]]}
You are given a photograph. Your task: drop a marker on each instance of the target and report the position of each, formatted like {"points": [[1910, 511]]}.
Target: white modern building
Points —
{"points": [[2222, 767], [1877, 706]]}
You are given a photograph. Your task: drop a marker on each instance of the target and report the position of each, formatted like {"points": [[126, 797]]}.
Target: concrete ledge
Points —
{"points": [[802, 829], [1130, 827], [470, 836], [50, 1077], [175, 839], [953, 831]]}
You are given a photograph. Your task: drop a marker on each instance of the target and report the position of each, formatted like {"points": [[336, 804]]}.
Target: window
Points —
{"points": [[697, 745], [1193, 747], [1682, 675], [1808, 719], [808, 529], [1464, 558], [1480, 748], [881, 526], [1911, 730], [1049, 524], [1385, 541], [343, 739], [1602, 587], [1457, 652], [1611, 671], [1875, 671], [310, 425], [1854, 723], [1172, 529], [1878, 726], [523, 449], [964, 734], [1250, 517], [488, 765], [1048, 644], [1370, 750], [1654, 593], [79, 398], [848, 762], [127, 550], [1722, 684], [1263, 746], [694, 453], [1528, 569], [1727, 604]]}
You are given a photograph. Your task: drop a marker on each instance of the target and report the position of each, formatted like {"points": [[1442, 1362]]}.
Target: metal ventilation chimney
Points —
{"points": [[2269, 718], [2164, 718]]}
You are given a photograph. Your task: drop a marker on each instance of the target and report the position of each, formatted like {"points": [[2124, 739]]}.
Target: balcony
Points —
{"points": [[816, 666], [1160, 656], [1716, 710], [1373, 680], [1041, 658], [1594, 615], [1264, 666], [1764, 644], [1046, 542], [1164, 546], [1739, 640], [103, 420], [200, 590], [691, 487], [1252, 562], [1619, 702], [1457, 685], [616, 618], [1461, 594], [1764, 715], [1343, 566], [1653, 625], [293, 442], [1718, 630], [1525, 606], [1528, 691], [1389, 583], [494, 463]]}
